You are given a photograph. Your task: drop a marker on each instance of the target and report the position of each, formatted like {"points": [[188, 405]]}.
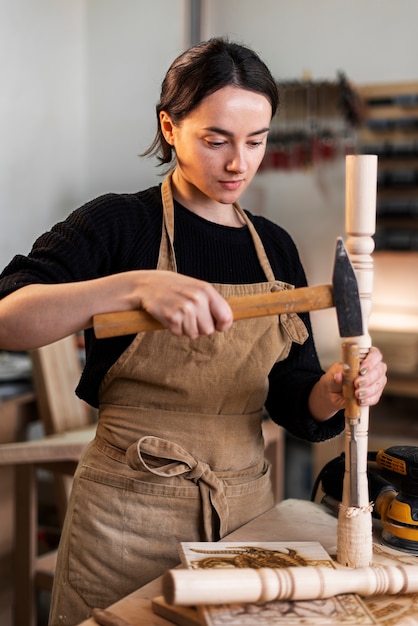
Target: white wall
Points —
{"points": [[129, 47], [41, 117], [80, 79], [370, 40]]}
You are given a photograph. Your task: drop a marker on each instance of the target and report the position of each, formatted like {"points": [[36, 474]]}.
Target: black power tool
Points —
{"points": [[393, 488]]}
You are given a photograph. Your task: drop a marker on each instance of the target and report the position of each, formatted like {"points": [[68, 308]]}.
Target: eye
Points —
{"points": [[256, 144], [215, 143]]}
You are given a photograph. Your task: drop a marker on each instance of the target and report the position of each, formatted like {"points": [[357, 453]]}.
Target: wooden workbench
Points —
{"points": [[291, 520]]}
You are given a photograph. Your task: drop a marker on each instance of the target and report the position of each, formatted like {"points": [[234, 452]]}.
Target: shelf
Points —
{"points": [[390, 130]]}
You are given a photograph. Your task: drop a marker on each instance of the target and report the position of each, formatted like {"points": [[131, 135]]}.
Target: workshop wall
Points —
{"points": [[41, 117], [79, 84]]}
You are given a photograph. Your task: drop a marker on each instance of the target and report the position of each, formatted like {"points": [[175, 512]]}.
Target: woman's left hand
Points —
{"points": [[372, 379], [327, 395]]}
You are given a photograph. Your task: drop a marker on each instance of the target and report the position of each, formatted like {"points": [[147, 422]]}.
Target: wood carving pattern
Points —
{"points": [[251, 556], [345, 610]]}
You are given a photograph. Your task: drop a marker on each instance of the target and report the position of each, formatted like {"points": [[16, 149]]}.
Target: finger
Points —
{"points": [[373, 376], [221, 314], [179, 321], [200, 324], [371, 360], [371, 394]]}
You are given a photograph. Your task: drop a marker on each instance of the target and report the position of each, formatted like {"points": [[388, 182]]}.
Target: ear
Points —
{"points": [[167, 127]]}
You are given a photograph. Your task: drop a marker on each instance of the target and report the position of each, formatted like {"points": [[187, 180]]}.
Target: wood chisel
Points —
{"points": [[352, 414]]}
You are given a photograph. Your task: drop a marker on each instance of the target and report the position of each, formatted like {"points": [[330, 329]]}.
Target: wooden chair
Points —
{"points": [[56, 370], [69, 426]]}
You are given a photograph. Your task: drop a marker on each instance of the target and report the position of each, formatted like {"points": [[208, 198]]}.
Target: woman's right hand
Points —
{"points": [[184, 305]]}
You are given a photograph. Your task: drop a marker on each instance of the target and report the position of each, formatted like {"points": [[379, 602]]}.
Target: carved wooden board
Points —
{"points": [[340, 610]]}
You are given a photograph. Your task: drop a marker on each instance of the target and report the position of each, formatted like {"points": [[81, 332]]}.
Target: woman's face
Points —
{"points": [[219, 147]]}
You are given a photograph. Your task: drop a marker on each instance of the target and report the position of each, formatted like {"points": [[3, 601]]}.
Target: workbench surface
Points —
{"points": [[290, 520]]}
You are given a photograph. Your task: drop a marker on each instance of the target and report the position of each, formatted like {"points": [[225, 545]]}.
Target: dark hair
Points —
{"points": [[199, 72]]}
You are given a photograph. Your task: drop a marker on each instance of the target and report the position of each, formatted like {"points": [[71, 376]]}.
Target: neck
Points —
{"points": [[211, 210]]}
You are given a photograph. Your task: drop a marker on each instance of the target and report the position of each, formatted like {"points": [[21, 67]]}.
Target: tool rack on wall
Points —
{"points": [[390, 130], [315, 123]]}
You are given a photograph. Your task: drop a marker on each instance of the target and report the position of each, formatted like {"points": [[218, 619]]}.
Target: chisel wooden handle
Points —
{"points": [[219, 586], [352, 414], [299, 300], [351, 360]]}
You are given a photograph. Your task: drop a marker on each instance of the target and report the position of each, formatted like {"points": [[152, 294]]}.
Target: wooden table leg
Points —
{"points": [[25, 545]]}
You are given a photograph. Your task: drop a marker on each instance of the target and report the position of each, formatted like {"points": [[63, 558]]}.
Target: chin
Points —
{"points": [[229, 197]]}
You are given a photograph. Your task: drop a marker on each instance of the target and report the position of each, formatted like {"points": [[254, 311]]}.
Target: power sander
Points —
{"points": [[393, 488]]}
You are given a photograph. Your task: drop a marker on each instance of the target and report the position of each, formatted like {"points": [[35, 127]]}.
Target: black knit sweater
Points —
{"points": [[120, 232]]}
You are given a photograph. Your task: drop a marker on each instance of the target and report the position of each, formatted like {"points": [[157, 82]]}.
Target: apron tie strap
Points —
{"points": [[166, 458]]}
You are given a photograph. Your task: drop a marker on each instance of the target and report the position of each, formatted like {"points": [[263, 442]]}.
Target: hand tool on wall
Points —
{"points": [[342, 294], [354, 530]]}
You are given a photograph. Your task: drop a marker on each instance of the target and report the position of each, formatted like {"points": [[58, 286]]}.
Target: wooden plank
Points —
{"points": [[56, 372], [180, 615], [390, 136], [64, 447], [391, 112], [378, 90], [45, 569]]}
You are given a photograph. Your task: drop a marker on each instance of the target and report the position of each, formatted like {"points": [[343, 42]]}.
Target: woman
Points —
{"points": [[178, 454]]}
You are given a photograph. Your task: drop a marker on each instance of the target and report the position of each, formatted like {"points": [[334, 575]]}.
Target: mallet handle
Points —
{"points": [[218, 586], [299, 300]]}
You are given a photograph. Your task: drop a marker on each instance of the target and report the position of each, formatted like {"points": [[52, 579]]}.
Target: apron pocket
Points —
{"points": [[113, 544], [249, 500]]}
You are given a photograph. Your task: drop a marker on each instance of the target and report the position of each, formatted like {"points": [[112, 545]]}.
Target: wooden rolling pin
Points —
{"points": [[187, 587]]}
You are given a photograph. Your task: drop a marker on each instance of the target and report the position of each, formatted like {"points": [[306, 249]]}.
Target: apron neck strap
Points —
{"points": [[259, 248], [166, 256]]}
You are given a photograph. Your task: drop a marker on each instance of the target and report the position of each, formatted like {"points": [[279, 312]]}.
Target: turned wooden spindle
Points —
{"points": [[354, 536], [188, 587]]}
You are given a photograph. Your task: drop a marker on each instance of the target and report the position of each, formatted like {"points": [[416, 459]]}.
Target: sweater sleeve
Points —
{"points": [[110, 234]]}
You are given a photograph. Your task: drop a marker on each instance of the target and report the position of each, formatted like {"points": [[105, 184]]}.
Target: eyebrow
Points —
{"points": [[221, 131]]}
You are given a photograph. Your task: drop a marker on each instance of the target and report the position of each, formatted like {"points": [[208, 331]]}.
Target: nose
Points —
{"points": [[237, 162]]}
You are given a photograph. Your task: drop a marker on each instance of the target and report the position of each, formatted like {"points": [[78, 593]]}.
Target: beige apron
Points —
{"points": [[179, 452]]}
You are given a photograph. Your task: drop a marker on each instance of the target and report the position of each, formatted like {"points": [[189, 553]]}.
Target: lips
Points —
{"points": [[231, 185]]}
